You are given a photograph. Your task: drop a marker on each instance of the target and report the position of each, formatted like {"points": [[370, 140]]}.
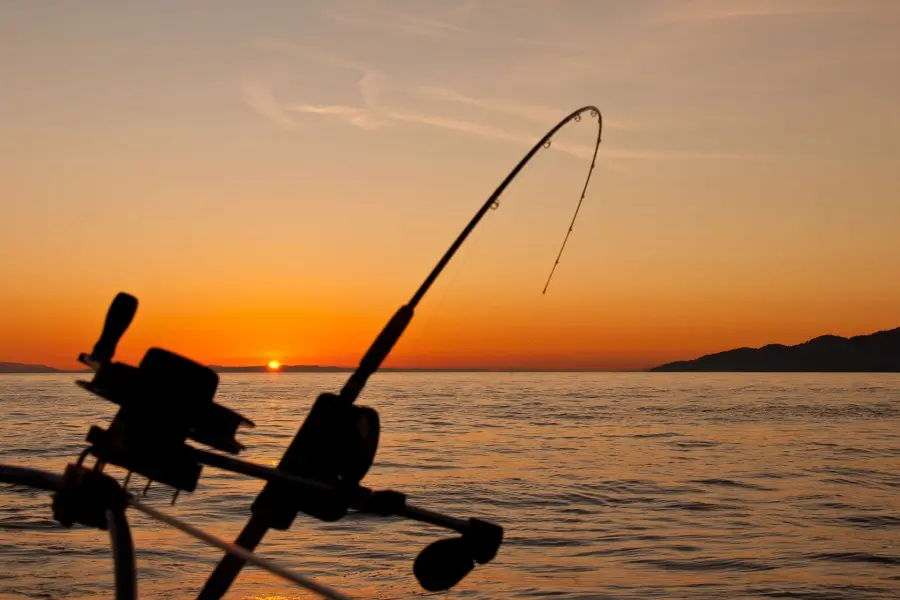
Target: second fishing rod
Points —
{"points": [[338, 441]]}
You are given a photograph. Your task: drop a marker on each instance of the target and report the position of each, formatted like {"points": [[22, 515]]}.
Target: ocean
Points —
{"points": [[609, 485]]}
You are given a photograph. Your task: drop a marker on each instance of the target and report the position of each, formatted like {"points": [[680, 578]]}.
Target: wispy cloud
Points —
{"points": [[370, 115], [259, 97], [452, 21], [526, 111], [353, 115], [481, 130], [724, 10], [372, 16], [373, 83], [312, 54], [375, 112], [383, 102], [545, 115]]}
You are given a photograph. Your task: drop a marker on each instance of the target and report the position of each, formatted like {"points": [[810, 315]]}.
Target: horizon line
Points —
{"points": [[48, 370]]}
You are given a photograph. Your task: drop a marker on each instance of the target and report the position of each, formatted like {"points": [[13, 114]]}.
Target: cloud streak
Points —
{"points": [[370, 16], [353, 115], [259, 97], [530, 112], [731, 10], [375, 113], [385, 103]]}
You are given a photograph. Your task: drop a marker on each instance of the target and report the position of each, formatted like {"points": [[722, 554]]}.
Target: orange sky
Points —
{"points": [[273, 181]]}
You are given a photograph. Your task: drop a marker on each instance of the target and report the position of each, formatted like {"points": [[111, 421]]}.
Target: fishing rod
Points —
{"points": [[168, 400], [271, 508]]}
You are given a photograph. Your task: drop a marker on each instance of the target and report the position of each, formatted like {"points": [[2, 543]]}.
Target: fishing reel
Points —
{"points": [[164, 401], [169, 399], [335, 445]]}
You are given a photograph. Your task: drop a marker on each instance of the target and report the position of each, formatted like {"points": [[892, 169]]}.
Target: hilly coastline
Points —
{"points": [[874, 353]]}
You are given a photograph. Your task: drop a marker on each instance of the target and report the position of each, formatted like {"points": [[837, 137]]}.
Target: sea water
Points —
{"points": [[609, 485]]}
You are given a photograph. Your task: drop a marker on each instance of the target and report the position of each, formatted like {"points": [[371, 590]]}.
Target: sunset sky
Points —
{"points": [[272, 179]]}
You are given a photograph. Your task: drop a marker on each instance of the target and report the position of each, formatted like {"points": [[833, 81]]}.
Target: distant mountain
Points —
{"points": [[874, 353], [11, 367]]}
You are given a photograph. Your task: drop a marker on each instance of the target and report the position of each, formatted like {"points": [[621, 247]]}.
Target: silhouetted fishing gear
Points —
{"points": [[274, 507], [92, 498], [168, 400]]}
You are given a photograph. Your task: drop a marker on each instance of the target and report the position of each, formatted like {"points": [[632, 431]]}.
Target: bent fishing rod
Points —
{"points": [[168, 399], [270, 510]]}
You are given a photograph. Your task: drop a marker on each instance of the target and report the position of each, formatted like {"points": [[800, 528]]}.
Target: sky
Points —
{"points": [[273, 179]]}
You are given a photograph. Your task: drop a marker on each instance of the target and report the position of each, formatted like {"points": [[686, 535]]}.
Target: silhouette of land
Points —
{"points": [[13, 367], [874, 353]]}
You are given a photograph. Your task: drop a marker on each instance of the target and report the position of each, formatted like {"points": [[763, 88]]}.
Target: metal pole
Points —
{"points": [[123, 554]]}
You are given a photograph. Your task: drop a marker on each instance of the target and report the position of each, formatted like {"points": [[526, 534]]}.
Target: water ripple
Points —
{"points": [[609, 486]]}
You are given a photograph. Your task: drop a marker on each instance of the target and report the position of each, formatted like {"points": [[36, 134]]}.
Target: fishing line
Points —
{"points": [[587, 181], [250, 557], [493, 202], [439, 295]]}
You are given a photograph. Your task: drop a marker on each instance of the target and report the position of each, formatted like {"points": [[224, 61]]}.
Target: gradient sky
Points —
{"points": [[272, 179]]}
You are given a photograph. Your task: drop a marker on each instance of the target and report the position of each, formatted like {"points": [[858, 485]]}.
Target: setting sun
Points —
{"points": [[274, 365]]}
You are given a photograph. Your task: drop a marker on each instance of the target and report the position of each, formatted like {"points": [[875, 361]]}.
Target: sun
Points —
{"points": [[274, 365]]}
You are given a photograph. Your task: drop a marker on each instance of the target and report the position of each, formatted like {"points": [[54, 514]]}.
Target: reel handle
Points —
{"points": [[118, 318]]}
